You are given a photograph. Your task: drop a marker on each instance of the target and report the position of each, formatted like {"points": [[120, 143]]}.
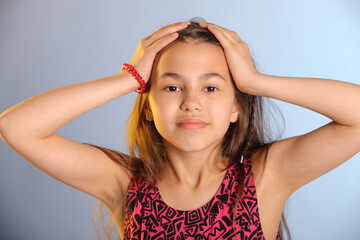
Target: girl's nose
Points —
{"points": [[191, 102]]}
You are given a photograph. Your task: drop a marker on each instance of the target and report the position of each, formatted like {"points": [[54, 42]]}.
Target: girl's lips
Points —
{"points": [[189, 125], [191, 120]]}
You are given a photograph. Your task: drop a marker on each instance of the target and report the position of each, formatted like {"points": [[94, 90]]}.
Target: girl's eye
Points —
{"points": [[171, 87], [213, 88]]}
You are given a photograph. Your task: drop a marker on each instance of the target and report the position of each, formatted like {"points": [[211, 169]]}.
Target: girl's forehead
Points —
{"points": [[193, 50], [191, 58]]}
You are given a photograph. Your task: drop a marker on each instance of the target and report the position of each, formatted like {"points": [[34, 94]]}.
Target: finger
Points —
{"points": [[162, 42], [164, 31], [220, 35], [231, 35], [165, 27]]}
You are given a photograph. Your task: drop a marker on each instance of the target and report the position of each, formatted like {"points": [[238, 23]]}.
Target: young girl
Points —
{"points": [[197, 141]]}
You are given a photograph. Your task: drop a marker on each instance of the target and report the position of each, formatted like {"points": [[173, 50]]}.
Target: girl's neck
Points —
{"points": [[193, 170]]}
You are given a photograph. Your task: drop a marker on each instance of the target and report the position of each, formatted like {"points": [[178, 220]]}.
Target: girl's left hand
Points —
{"points": [[237, 55]]}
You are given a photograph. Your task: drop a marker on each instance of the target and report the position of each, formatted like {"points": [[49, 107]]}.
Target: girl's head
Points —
{"points": [[190, 78]]}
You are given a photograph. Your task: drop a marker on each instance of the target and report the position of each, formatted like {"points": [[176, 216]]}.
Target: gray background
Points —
{"points": [[49, 44]]}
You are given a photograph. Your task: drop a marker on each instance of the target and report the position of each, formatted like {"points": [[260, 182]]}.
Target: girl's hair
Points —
{"points": [[146, 149]]}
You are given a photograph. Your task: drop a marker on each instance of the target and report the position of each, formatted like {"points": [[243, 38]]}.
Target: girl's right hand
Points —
{"points": [[149, 46]]}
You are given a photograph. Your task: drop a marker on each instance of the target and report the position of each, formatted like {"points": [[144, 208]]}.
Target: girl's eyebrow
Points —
{"points": [[203, 76]]}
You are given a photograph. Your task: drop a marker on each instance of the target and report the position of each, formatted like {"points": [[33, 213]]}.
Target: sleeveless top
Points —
{"points": [[147, 216]]}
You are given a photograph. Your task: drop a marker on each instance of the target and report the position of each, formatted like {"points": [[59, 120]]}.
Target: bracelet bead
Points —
{"points": [[137, 76]]}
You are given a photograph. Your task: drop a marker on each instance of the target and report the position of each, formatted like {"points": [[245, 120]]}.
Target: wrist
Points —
{"points": [[124, 75], [136, 75], [251, 85]]}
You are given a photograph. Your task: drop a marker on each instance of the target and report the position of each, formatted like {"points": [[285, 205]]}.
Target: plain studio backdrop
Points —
{"points": [[49, 44]]}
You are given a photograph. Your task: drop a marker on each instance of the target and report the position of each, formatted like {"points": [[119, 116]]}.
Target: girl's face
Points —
{"points": [[192, 80]]}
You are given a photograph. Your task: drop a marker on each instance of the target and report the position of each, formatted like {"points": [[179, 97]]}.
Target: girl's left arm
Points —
{"points": [[300, 159]]}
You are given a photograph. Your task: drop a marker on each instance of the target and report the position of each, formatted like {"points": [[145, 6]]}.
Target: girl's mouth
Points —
{"points": [[190, 126]]}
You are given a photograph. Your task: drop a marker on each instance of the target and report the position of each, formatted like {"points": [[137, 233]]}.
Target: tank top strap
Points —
{"points": [[136, 192]]}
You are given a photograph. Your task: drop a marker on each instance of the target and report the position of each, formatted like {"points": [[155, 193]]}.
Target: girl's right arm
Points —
{"points": [[29, 127]]}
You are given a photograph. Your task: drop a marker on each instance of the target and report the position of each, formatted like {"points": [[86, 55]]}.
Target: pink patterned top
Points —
{"points": [[148, 216]]}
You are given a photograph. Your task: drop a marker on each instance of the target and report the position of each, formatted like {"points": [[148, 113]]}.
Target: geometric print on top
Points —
{"points": [[149, 217]]}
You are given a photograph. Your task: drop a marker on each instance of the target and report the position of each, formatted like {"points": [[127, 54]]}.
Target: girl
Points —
{"points": [[197, 142]]}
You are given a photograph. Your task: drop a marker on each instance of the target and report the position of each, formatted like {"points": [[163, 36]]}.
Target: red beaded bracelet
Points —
{"points": [[137, 76]]}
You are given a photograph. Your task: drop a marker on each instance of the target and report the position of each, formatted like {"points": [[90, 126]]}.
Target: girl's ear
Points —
{"points": [[149, 115], [235, 111]]}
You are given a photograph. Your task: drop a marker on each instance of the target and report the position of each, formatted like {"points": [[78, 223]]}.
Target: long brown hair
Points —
{"points": [[146, 156]]}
